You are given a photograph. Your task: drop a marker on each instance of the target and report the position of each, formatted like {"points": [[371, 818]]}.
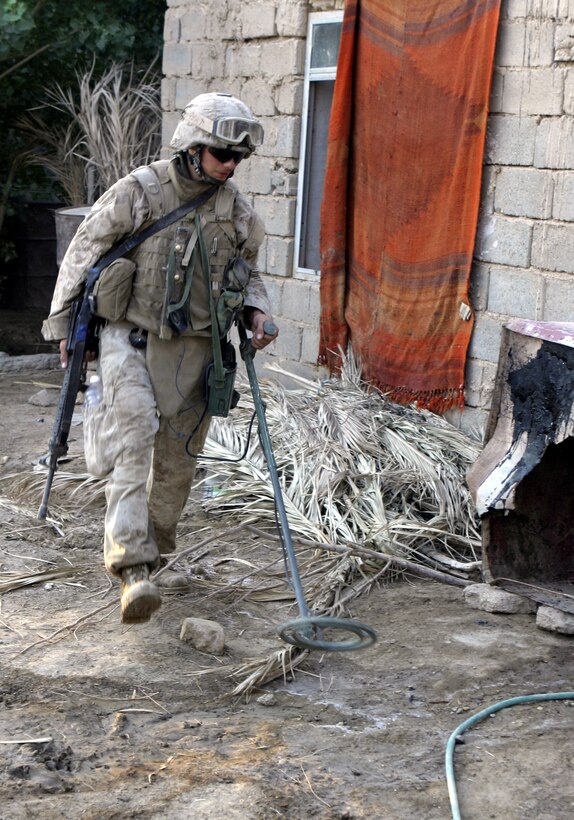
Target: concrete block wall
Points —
{"points": [[524, 252]]}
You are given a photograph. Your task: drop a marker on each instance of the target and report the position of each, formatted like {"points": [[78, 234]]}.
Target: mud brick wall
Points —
{"points": [[524, 255]]}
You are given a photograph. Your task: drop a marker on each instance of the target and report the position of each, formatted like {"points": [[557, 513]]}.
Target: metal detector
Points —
{"points": [[309, 631]]}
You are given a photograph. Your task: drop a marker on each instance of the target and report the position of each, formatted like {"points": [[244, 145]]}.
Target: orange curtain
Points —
{"points": [[402, 191]]}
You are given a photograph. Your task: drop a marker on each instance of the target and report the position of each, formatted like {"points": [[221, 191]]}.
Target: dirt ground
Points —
{"points": [[104, 721]]}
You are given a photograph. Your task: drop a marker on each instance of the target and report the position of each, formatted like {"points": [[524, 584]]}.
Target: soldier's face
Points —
{"points": [[219, 164]]}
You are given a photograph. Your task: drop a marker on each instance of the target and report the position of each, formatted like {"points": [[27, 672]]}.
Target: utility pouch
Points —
{"points": [[220, 395], [111, 294]]}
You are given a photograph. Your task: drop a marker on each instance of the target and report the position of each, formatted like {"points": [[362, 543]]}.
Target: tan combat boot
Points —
{"points": [[140, 598]]}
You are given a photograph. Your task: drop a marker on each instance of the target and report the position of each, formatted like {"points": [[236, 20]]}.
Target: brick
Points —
{"points": [[296, 300], [538, 91], [558, 299], [177, 59], [511, 140], [207, 60], [514, 293], [283, 57], [478, 289], [284, 181], [505, 241], [171, 26], [496, 89], [167, 95], [280, 257], [254, 175], [564, 43], [524, 192], [282, 136], [569, 92], [310, 345], [563, 201], [186, 89], [243, 60], [274, 289], [553, 247], [259, 96], [292, 18], [554, 147], [290, 339], [510, 44], [485, 341], [289, 97], [258, 21], [278, 213]]}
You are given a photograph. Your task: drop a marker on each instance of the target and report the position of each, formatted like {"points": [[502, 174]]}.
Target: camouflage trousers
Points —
{"points": [[145, 454]]}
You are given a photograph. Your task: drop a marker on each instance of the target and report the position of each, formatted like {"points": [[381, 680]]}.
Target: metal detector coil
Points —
{"points": [[309, 631]]}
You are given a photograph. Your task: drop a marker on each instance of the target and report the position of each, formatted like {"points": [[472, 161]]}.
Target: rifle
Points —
{"points": [[309, 631], [82, 338]]}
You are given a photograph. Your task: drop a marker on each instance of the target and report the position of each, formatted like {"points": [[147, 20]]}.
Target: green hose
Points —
{"points": [[476, 719]]}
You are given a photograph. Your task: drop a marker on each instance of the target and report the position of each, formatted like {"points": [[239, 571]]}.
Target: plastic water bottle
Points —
{"points": [[94, 394]]}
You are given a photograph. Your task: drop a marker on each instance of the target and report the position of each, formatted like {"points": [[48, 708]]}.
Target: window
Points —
{"points": [[323, 37]]}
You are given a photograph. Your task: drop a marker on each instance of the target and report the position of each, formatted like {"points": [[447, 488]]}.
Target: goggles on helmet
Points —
{"points": [[232, 129]]}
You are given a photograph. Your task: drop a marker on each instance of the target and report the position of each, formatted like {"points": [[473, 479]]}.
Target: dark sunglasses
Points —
{"points": [[225, 154]]}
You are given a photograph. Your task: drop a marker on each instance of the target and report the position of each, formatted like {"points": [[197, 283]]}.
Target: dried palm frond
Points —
{"points": [[10, 581], [82, 488]]}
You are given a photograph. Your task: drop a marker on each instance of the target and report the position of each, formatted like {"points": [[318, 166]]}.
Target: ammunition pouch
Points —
{"points": [[236, 277], [112, 291]]}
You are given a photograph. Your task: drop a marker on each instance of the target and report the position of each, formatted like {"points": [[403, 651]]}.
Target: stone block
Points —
{"points": [[524, 192], [504, 240], [515, 293], [296, 300], [243, 60], [478, 288], [492, 599], [171, 26], [206, 636], [282, 58], [289, 96], [569, 92], [288, 345], [259, 96], [282, 137], [535, 91], [278, 213], [292, 18], [310, 345], [177, 59], [186, 88], [510, 140], [280, 258], [258, 21], [558, 303], [553, 247], [510, 43], [563, 198], [554, 145], [555, 620], [485, 341], [564, 43]]}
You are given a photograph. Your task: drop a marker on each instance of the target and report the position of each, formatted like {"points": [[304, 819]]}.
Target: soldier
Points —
{"points": [[156, 342]]}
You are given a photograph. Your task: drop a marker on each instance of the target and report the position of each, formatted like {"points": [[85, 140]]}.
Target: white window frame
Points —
{"points": [[311, 75]]}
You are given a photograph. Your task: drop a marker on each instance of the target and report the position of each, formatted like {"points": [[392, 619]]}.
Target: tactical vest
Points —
{"points": [[151, 257]]}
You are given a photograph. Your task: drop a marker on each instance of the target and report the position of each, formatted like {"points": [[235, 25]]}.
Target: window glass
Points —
{"points": [[325, 48]]}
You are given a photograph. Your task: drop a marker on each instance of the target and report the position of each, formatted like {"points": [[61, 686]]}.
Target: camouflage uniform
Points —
{"points": [[153, 398]]}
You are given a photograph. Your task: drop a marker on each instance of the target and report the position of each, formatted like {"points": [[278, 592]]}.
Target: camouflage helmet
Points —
{"points": [[220, 121]]}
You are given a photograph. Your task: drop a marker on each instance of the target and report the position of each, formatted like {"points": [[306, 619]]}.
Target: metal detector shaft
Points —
{"points": [[247, 353], [309, 631]]}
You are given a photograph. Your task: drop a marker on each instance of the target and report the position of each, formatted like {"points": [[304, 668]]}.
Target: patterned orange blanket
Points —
{"points": [[402, 191]]}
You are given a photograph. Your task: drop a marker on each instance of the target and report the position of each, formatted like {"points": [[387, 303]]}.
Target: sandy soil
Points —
{"points": [[104, 721]]}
